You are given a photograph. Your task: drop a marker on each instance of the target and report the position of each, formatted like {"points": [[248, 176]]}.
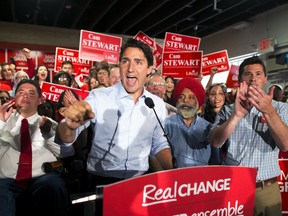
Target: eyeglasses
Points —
{"points": [[153, 84], [62, 78]]}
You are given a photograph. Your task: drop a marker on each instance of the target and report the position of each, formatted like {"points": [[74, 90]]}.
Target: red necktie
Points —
{"points": [[24, 173]]}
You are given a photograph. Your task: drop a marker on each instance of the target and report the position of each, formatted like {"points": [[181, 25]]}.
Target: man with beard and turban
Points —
{"points": [[187, 131]]}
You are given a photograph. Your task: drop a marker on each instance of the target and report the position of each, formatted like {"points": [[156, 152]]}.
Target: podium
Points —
{"points": [[205, 190]]}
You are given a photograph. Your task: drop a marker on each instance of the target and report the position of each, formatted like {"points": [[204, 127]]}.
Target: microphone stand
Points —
{"points": [[174, 162]]}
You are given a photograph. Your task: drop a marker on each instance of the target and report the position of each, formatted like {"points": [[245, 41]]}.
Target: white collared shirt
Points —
{"points": [[43, 150]]}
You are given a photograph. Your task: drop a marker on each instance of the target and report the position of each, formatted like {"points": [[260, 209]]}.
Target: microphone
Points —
{"points": [[150, 103], [49, 167]]}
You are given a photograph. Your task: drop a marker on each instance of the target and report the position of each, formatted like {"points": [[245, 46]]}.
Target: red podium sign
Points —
{"points": [[283, 184], [209, 190]]}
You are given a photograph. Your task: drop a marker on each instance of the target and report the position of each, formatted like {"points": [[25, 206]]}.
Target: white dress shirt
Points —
{"points": [[43, 149], [124, 132]]}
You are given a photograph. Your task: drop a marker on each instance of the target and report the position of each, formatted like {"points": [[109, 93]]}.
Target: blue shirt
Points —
{"points": [[190, 144], [251, 143], [124, 132]]}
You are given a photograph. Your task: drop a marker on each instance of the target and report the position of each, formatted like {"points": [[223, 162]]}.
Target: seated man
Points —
{"points": [[26, 142]]}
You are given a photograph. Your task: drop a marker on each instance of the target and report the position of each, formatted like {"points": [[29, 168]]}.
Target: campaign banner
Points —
{"points": [[232, 79], [81, 66], [51, 91], [218, 59], [20, 59], [283, 184], [206, 190], [98, 47], [177, 42], [181, 64], [158, 52], [145, 39]]}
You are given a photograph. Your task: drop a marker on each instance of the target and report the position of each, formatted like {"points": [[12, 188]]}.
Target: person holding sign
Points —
{"points": [[125, 129], [255, 128]]}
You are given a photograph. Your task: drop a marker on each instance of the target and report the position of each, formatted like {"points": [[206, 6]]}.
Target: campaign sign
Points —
{"points": [[217, 59], [206, 190], [141, 36], [181, 64], [98, 47], [81, 66], [158, 51], [20, 59], [232, 79], [51, 91], [178, 42], [283, 184]]}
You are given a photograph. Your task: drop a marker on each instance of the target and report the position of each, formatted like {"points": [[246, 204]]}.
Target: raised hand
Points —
{"points": [[6, 110], [77, 114]]}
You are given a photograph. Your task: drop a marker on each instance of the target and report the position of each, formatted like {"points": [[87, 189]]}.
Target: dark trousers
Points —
{"points": [[46, 195]]}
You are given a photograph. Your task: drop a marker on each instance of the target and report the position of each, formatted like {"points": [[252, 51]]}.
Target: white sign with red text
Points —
{"points": [[98, 47], [51, 91], [217, 59], [181, 64], [177, 42], [81, 66], [207, 190]]}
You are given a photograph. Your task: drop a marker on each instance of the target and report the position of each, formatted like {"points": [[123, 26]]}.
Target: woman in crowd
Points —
{"points": [[215, 99], [20, 75], [170, 82], [4, 97]]}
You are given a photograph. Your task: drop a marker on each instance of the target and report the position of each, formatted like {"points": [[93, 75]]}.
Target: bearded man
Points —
{"points": [[187, 131]]}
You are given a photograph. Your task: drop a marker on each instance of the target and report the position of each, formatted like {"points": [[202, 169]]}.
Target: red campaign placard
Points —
{"points": [[81, 66], [98, 47], [20, 58], [158, 51], [145, 39], [183, 192], [178, 42], [283, 184], [51, 91], [232, 79], [181, 64], [217, 59]]}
